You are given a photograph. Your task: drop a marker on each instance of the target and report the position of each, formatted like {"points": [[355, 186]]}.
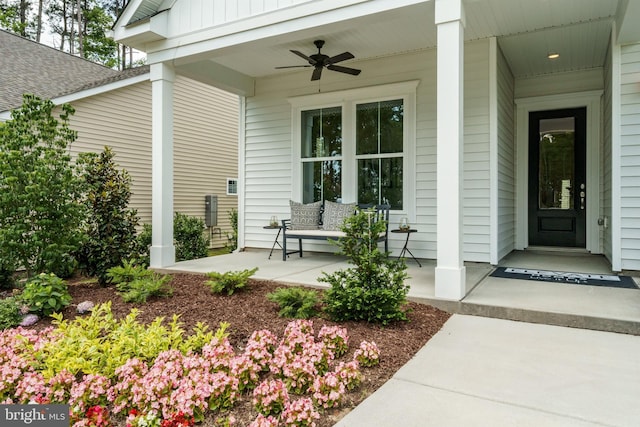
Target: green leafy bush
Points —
{"points": [[99, 343], [46, 294], [374, 290], [297, 303], [144, 243], [10, 315], [188, 234], [230, 281], [111, 225], [140, 290], [127, 272], [232, 239], [40, 191]]}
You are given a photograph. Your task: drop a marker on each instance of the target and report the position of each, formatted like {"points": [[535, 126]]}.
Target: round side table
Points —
{"points": [[405, 249]]}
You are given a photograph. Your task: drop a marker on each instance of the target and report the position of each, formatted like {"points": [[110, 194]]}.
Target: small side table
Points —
{"points": [[405, 249], [275, 242]]}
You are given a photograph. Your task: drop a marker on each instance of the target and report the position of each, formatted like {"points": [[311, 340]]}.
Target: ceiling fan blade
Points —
{"points": [[316, 74], [303, 56], [347, 70], [294, 66], [339, 58]]}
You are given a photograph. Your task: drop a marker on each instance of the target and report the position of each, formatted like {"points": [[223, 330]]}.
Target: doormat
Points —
{"points": [[609, 280]]}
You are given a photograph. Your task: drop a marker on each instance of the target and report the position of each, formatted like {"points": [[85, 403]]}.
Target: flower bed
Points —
{"points": [[184, 379]]}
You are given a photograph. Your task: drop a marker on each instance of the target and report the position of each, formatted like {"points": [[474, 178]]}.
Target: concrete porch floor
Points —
{"points": [[588, 307]]}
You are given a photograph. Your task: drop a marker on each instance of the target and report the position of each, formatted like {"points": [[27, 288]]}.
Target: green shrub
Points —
{"points": [[188, 235], [188, 238], [46, 294], [10, 315], [40, 191], [230, 281], [111, 225], [98, 343], [7, 272], [232, 239], [374, 290], [297, 303], [127, 272], [139, 290]]}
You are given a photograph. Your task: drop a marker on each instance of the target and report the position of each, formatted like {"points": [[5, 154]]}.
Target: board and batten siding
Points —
{"points": [[630, 157], [268, 147], [205, 144], [506, 159]]}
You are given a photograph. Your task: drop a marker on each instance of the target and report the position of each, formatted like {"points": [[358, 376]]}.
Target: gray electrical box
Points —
{"points": [[211, 210]]}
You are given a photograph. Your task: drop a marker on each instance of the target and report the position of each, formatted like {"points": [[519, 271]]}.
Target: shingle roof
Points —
{"points": [[30, 67]]}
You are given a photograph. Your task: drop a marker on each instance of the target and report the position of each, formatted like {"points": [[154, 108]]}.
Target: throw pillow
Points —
{"points": [[335, 214], [305, 216]]}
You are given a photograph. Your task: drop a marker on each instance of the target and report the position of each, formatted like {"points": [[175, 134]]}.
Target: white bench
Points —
{"points": [[381, 214]]}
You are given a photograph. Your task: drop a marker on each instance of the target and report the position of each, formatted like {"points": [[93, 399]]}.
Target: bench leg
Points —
{"points": [[300, 245], [284, 246]]}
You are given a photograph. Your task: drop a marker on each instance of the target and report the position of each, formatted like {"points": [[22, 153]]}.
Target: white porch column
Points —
{"points": [[162, 251], [450, 270]]}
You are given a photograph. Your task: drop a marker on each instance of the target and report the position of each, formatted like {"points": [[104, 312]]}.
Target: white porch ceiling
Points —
{"points": [[579, 30]]}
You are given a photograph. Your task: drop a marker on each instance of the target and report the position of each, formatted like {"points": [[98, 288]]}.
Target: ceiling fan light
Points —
{"points": [[553, 55]]}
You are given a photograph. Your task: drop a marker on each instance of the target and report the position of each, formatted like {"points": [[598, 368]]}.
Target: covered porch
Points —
{"points": [[589, 307]]}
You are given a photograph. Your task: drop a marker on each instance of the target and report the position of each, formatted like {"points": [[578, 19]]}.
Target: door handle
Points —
{"points": [[583, 194]]}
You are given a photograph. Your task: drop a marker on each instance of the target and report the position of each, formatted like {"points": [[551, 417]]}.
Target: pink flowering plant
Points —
{"points": [[175, 383], [367, 354], [270, 397]]}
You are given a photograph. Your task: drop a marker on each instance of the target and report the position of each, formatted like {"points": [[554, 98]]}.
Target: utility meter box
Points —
{"points": [[211, 210]]}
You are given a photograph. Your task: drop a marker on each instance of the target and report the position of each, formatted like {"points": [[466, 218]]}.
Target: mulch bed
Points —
{"points": [[250, 310]]}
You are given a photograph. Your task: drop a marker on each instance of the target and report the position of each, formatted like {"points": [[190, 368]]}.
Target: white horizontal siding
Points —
{"points": [[268, 149], [506, 159], [205, 143], [629, 158]]}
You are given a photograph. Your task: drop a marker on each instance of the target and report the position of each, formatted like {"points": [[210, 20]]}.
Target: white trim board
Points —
{"points": [[590, 100]]}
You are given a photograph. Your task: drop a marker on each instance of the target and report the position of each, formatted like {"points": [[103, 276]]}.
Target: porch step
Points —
{"points": [[622, 326]]}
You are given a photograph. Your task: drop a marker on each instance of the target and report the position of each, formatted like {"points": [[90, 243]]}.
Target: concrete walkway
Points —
{"points": [[490, 372]]}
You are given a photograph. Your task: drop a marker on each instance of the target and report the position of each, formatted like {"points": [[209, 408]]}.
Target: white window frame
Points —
{"points": [[348, 100], [228, 181]]}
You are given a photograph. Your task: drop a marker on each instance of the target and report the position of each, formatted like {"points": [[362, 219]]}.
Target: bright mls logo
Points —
{"points": [[34, 415]]}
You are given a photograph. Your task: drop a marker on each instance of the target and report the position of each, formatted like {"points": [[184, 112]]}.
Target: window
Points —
{"points": [[321, 154], [232, 187], [356, 146]]}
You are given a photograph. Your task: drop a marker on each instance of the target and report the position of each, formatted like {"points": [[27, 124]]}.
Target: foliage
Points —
{"points": [[188, 238], [10, 315], [7, 272], [230, 281], [111, 225], [374, 290], [46, 294], [232, 239], [99, 343], [296, 303], [39, 190], [101, 366], [367, 354], [127, 272], [140, 290], [188, 233]]}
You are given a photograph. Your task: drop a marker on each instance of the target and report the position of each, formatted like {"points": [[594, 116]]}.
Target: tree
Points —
{"points": [[40, 213], [15, 16], [111, 225]]}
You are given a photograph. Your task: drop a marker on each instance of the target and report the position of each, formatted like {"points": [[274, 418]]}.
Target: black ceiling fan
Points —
{"points": [[320, 61]]}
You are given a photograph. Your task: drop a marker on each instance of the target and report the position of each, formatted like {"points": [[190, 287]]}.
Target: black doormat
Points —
{"points": [[609, 280]]}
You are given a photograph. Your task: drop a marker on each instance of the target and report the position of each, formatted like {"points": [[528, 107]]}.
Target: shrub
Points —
{"points": [[188, 234], [144, 243], [232, 239], [230, 281], [139, 290], [374, 290], [296, 303], [111, 226], [40, 209], [127, 272], [10, 315], [46, 294]]}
